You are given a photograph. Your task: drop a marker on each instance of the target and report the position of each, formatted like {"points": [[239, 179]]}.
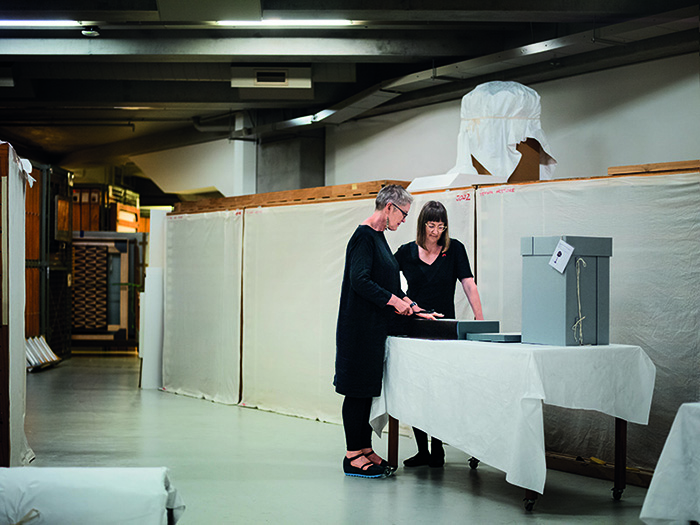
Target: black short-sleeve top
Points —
{"points": [[432, 286]]}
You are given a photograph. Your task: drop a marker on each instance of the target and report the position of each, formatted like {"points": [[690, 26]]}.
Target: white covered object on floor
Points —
{"points": [[86, 496]]}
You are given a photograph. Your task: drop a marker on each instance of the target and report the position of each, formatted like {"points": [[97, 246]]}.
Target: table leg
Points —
{"points": [[530, 498], [393, 442], [620, 458]]}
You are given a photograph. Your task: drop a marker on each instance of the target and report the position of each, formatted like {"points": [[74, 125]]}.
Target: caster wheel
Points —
{"points": [[473, 463], [529, 504], [617, 494]]}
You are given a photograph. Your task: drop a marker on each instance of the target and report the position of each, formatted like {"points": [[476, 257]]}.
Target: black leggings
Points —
{"points": [[358, 432], [422, 442]]}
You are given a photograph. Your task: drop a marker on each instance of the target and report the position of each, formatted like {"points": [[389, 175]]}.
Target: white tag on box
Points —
{"points": [[560, 257]]}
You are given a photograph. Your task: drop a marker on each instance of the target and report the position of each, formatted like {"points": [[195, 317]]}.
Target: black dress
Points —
{"points": [[432, 286], [371, 276]]}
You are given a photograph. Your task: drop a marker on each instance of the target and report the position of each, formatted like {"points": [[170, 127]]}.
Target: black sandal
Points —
{"points": [[384, 464], [369, 470]]}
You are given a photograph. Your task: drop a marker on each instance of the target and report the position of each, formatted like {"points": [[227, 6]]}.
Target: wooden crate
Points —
{"points": [[662, 168], [124, 218], [342, 192]]}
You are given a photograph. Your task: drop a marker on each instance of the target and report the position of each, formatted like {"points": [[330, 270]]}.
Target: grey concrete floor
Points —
{"points": [[240, 465]]}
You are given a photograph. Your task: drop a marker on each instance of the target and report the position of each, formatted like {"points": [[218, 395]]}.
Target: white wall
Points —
{"points": [[644, 113], [397, 146], [228, 166], [638, 114]]}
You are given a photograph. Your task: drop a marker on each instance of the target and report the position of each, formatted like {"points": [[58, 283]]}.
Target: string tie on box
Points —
{"points": [[578, 325]]}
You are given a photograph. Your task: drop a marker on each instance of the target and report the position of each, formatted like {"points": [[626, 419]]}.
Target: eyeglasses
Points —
{"points": [[432, 226], [405, 214]]}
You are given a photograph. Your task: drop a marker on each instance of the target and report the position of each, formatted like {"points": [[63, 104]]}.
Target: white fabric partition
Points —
{"points": [[654, 284], [293, 268], [201, 342], [151, 307]]}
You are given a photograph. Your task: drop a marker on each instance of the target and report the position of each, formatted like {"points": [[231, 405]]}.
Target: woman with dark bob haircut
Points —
{"points": [[432, 265], [370, 298]]}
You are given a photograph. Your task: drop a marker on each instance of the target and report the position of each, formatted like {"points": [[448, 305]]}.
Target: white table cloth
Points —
{"points": [[486, 398], [674, 492], [88, 496]]}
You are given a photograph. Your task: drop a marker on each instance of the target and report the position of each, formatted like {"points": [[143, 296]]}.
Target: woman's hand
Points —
{"points": [[401, 307], [432, 316]]}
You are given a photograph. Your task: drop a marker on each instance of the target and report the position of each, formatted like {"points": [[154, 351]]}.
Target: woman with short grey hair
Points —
{"points": [[370, 296]]}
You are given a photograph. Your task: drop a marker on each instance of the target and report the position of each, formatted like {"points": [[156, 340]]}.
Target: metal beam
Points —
{"points": [[471, 10], [232, 49]]}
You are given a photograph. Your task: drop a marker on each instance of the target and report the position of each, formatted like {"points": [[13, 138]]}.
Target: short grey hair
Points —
{"points": [[392, 193]]}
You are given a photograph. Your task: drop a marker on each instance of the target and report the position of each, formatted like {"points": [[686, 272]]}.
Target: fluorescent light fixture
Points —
{"points": [[135, 108], [91, 31], [35, 24], [274, 22]]}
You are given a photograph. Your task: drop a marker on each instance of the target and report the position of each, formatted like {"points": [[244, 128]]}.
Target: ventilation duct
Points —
{"points": [[271, 77]]}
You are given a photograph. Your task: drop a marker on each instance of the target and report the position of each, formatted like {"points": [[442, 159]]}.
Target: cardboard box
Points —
{"points": [[528, 169]]}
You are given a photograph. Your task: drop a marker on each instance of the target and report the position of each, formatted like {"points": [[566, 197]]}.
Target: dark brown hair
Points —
{"points": [[432, 211]]}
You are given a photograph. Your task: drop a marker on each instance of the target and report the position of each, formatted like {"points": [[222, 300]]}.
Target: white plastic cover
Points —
{"points": [[86, 496], [654, 222], [201, 340], [495, 117]]}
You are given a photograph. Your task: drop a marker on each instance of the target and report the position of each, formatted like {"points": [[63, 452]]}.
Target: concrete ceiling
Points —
{"points": [[159, 74]]}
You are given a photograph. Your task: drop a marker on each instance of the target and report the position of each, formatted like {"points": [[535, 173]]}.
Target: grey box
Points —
{"points": [[550, 307], [504, 337], [419, 328], [474, 327]]}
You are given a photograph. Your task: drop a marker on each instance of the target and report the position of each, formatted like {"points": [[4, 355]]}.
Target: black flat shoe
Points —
{"points": [[437, 459], [370, 470], [419, 460]]}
